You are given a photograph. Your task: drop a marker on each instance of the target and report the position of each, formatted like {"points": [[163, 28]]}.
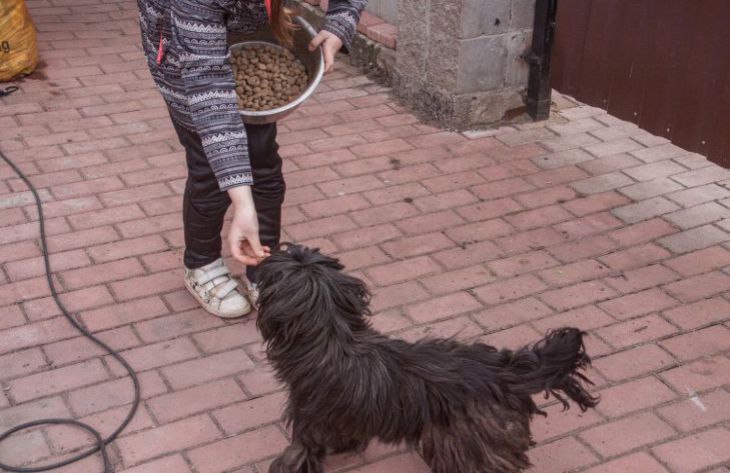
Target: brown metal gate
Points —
{"points": [[662, 64]]}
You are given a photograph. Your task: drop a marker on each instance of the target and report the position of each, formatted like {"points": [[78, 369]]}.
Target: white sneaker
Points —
{"points": [[215, 290], [252, 291]]}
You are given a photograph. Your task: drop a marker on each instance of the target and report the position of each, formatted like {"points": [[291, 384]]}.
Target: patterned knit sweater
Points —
{"points": [[194, 74]]}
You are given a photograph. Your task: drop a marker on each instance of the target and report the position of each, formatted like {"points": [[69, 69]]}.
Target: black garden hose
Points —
{"points": [[101, 442]]}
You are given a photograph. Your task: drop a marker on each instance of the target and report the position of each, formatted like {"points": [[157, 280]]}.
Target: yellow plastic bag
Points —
{"points": [[18, 52]]}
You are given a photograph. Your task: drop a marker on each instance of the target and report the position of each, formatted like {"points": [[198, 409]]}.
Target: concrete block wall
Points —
{"points": [[462, 59], [494, 34], [459, 62]]}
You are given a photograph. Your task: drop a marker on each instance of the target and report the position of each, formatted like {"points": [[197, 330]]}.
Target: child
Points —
{"points": [[185, 42]]}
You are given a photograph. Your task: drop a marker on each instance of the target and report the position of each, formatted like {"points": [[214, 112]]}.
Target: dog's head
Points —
{"points": [[305, 294]]}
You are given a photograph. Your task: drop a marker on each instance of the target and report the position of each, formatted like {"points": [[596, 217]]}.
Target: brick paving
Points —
{"points": [[495, 236]]}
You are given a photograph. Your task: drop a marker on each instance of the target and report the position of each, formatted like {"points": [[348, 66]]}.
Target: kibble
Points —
{"points": [[267, 78]]}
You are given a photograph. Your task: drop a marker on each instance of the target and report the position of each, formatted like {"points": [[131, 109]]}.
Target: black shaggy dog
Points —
{"points": [[466, 408]]}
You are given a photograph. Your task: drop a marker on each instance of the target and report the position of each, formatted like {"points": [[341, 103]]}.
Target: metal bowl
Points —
{"points": [[313, 61]]}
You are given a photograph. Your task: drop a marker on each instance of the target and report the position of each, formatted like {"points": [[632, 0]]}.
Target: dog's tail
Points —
{"points": [[553, 365]]}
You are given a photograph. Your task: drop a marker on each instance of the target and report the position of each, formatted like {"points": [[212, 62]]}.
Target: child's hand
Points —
{"points": [[243, 236], [330, 45]]}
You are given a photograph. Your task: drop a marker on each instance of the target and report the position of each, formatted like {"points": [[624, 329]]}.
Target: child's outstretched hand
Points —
{"points": [[243, 236]]}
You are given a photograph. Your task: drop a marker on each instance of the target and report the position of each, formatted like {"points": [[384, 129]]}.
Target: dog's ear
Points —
{"points": [[300, 290]]}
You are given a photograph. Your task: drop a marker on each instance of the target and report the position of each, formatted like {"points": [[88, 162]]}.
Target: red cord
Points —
{"points": [[268, 8], [159, 50]]}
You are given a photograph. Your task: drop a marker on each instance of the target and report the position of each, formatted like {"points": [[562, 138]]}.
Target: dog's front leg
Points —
{"points": [[297, 459]]}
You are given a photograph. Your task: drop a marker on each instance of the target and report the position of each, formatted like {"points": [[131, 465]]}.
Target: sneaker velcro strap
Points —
{"points": [[212, 274], [222, 290]]}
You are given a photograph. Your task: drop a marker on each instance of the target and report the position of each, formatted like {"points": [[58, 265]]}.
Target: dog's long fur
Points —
{"points": [[467, 408]]}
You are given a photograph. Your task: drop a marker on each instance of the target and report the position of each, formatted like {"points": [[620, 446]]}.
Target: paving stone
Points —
{"points": [[706, 342], [569, 142], [602, 183], [699, 215], [615, 131], [244, 415], [506, 315], [650, 300], [577, 295], [691, 316], [586, 318], [640, 461], [658, 153], [649, 172], [627, 434], [696, 452], [644, 210], [582, 111], [237, 451], [635, 257], [699, 287], [613, 147], [587, 247], [494, 190], [634, 395], [184, 403], [652, 188], [636, 331], [694, 239], [526, 263], [609, 164], [458, 280], [584, 270], [699, 375], [573, 127], [698, 411], [700, 261], [530, 219], [693, 161], [525, 136], [699, 195], [554, 195], [642, 278], [562, 455], [171, 464], [634, 362], [642, 232], [702, 176], [562, 158], [596, 203], [649, 140], [557, 176]]}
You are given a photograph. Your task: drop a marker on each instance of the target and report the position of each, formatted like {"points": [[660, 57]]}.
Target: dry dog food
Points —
{"points": [[267, 78]]}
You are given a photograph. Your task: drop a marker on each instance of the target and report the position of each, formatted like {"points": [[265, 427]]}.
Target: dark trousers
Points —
{"points": [[204, 205]]}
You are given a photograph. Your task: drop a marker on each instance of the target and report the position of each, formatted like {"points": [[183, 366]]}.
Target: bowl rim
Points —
{"points": [[318, 74]]}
